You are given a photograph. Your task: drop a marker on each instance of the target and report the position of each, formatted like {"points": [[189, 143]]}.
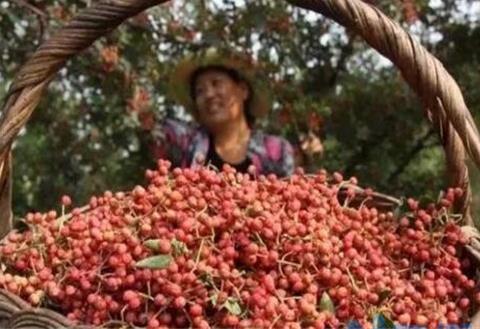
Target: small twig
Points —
{"points": [[352, 279], [260, 239], [286, 262], [149, 292], [122, 313], [374, 195], [41, 16], [65, 218], [114, 322], [275, 321], [34, 9], [197, 259], [237, 292]]}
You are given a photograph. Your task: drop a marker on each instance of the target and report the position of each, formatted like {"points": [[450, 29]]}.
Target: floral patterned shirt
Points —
{"points": [[186, 145]]}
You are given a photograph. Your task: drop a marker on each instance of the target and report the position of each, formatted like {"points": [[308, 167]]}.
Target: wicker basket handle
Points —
{"points": [[438, 91]]}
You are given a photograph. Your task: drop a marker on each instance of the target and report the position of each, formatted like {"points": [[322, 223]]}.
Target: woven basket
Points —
{"points": [[440, 95]]}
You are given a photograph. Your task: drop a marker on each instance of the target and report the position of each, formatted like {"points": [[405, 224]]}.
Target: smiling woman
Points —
{"points": [[222, 91]]}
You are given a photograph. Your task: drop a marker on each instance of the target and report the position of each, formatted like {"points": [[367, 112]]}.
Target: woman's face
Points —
{"points": [[219, 99]]}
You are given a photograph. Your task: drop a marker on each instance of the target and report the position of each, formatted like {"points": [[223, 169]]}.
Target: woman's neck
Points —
{"points": [[231, 140], [235, 133]]}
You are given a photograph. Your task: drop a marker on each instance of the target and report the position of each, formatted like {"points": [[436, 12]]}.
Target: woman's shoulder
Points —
{"points": [[272, 153], [180, 125], [267, 138], [177, 140], [175, 127], [274, 146]]}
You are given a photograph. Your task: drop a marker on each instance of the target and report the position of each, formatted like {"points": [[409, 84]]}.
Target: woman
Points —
{"points": [[224, 95]]}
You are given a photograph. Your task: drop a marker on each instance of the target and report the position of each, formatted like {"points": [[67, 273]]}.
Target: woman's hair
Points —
{"points": [[235, 76]]}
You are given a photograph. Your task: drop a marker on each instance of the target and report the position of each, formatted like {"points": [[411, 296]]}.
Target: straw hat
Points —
{"points": [[179, 86]]}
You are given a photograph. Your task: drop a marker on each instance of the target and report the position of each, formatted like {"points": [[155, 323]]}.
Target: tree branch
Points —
{"points": [[37, 11], [42, 16], [419, 146], [346, 51], [365, 148]]}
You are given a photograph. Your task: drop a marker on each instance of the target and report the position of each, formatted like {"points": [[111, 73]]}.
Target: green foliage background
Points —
{"points": [[89, 133]]}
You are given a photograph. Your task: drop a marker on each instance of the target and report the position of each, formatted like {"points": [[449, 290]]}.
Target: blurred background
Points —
{"points": [[343, 106]]}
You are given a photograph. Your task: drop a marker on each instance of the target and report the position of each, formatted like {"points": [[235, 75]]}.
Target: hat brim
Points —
{"points": [[179, 85]]}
